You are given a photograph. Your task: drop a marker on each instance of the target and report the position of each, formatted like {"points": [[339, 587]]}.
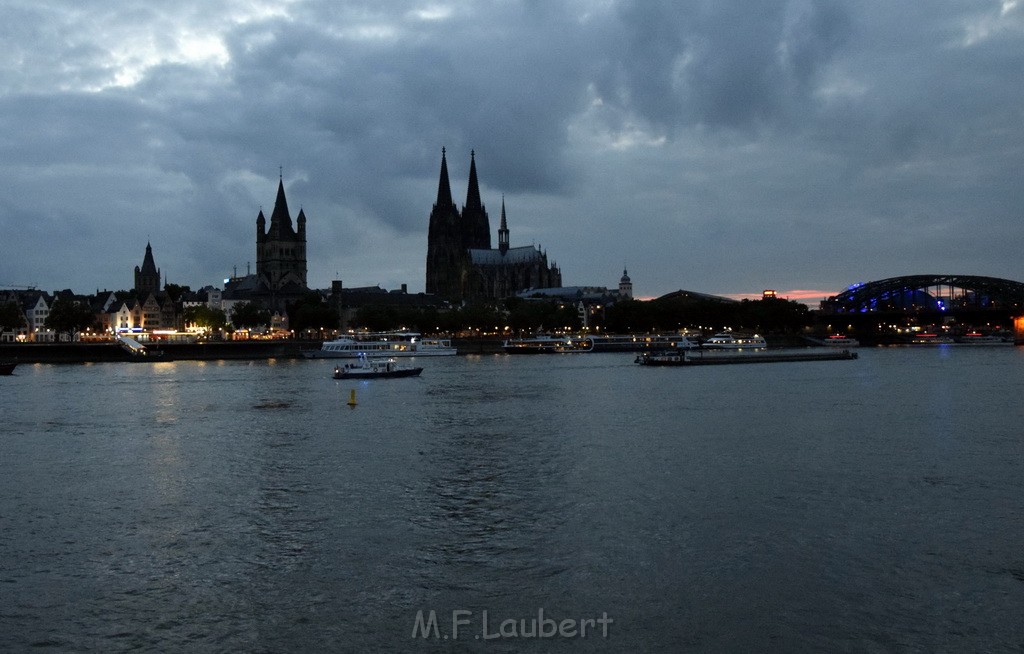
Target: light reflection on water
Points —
{"points": [[213, 506]]}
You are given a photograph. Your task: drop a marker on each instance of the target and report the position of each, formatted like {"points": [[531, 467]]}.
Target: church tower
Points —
{"points": [[445, 242], [280, 249], [476, 226], [147, 278], [625, 286]]}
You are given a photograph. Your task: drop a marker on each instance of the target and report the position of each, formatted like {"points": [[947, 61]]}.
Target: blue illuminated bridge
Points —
{"points": [[961, 296]]}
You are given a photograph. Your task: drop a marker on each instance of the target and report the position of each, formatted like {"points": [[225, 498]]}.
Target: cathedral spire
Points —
{"points": [[281, 220], [473, 202], [475, 226], [444, 187], [503, 230]]}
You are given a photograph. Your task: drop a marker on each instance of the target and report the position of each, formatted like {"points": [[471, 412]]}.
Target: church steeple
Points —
{"points": [[148, 264], [281, 220], [445, 241], [444, 187], [503, 230], [473, 202], [147, 278], [476, 226]]}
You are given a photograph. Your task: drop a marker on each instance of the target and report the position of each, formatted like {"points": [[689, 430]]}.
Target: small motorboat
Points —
{"points": [[7, 367], [367, 368]]}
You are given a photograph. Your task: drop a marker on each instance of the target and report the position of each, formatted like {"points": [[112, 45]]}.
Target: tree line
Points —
{"points": [[519, 315]]}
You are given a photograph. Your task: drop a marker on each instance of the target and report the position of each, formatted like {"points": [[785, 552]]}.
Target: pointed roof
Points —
{"points": [[148, 265], [473, 194], [504, 223], [281, 219], [444, 188]]}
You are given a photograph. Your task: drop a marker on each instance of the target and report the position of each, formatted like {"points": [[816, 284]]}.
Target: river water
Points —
{"points": [[505, 504]]}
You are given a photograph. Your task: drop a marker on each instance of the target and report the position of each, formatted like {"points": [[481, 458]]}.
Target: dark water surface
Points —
{"points": [[874, 505]]}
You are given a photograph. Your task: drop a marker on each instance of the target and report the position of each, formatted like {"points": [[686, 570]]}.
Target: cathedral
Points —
{"points": [[461, 265]]}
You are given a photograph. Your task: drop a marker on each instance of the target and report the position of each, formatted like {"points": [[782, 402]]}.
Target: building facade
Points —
{"points": [[462, 266]]}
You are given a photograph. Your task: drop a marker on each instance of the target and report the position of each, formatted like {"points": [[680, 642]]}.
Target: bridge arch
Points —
{"points": [[952, 294]]}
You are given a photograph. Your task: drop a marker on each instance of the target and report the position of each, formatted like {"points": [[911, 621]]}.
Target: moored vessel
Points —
{"points": [[978, 338], [930, 339], [840, 340], [640, 342], [546, 344], [730, 341], [702, 358], [392, 344]]}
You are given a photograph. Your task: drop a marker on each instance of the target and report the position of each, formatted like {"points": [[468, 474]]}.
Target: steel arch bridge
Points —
{"points": [[929, 293]]}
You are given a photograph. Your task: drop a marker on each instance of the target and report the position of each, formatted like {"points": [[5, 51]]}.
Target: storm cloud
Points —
{"points": [[720, 147]]}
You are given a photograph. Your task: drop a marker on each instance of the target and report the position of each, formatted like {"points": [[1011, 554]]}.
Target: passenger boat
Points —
{"points": [[547, 344], [931, 339], [840, 340], [729, 341], [367, 368], [539, 344], [7, 367], [639, 342], [392, 344], [977, 338]]}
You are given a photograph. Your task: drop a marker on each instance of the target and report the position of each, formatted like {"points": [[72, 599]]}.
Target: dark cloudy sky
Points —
{"points": [[722, 147]]}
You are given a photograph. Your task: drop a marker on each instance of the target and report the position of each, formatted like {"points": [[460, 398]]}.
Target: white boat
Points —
{"points": [[392, 344], [729, 341], [840, 340], [548, 344], [977, 338], [367, 368], [931, 339], [639, 342]]}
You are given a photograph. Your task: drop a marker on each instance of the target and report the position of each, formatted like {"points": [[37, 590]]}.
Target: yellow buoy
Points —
{"points": [[352, 399]]}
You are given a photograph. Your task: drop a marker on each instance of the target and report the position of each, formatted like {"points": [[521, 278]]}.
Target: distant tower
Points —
{"points": [[147, 278], [445, 248], [476, 226], [280, 249], [503, 230], [625, 285]]}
